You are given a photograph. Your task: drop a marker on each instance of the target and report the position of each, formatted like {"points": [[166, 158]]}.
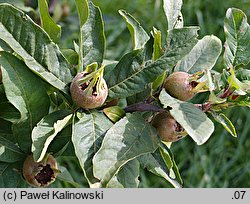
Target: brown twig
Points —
{"points": [[141, 107]]}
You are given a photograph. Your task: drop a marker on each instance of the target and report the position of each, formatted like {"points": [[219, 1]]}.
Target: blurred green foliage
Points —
{"points": [[221, 162]]}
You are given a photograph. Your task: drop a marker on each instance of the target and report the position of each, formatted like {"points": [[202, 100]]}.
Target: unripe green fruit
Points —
{"points": [[87, 96], [168, 128], [40, 174], [180, 86]]}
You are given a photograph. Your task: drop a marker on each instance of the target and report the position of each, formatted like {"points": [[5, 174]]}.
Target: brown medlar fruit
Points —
{"points": [[89, 90], [40, 174], [168, 128], [180, 85]]}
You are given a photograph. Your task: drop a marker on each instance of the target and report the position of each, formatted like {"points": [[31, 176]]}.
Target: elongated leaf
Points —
{"points": [[114, 113], [157, 167], [225, 122], [61, 144], [26, 92], [6, 131], [46, 130], [48, 23], [93, 42], [9, 152], [83, 11], [168, 158], [129, 138], [88, 133], [128, 175], [172, 9], [237, 31], [35, 47], [203, 56], [157, 44], [138, 34], [192, 119], [7, 110], [131, 75]]}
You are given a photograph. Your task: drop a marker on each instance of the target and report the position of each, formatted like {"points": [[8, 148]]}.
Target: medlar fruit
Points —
{"points": [[168, 128], [180, 86], [40, 174], [89, 90]]}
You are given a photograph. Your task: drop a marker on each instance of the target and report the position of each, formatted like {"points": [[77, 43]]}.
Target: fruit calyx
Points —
{"points": [[89, 89], [168, 128], [40, 174]]}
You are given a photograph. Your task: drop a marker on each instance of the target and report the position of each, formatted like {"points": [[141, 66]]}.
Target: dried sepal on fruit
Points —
{"points": [[168, 128], [89, 89], [181, 85], [40, 174]]}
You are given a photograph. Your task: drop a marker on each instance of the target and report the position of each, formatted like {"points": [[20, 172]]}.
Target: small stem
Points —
{"points": [[205, 107], [228, 92], [141, 107]]}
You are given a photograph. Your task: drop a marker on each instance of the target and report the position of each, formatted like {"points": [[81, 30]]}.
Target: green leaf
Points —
{"points": [[65, 176], [87, 135], [168, 158], [139, 97], [35, 47], [92, 38], [181, 41], [48, 23], [10, 177], [9, 152], [83, 11], [192, 119], [203, 56], [61, 144], [46, 130], [172, 9], [158, 167], [128, 175], [26, 92], [157, 44], [243, 74], [131, 74], [20, 4], [237, 31], [225, 122], [71, 56], [159, 81], [127, 139], [6, 131], [114, 113], [138, 34], [7, 110]]}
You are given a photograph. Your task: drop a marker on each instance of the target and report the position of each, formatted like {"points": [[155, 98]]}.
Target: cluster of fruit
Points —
{"points": [[180, 85]]}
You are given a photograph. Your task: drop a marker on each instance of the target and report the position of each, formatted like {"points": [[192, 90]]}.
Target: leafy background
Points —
{"points": [[223, 161]]}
